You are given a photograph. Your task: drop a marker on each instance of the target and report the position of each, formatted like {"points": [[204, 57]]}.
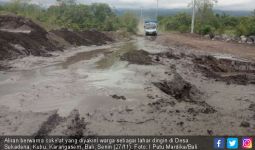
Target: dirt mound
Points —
{"points": [[14, 42], [119, 35], [18, 23], [180, 89], [184, 91], [82, 38], [13, 45], [22, 37], [139, 57], [228, 70]]}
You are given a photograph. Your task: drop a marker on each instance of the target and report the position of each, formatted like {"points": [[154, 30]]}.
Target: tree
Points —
{"points": [[205, 17], [101, 11], [66, 2], [129, 21]]}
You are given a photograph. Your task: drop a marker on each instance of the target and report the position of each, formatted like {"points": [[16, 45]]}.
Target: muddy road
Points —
{"points": [[136, 87]]}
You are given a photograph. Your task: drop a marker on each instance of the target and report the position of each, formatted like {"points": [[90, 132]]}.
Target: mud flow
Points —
{"points": [[126, 88], [227, 70], [184, 91]]}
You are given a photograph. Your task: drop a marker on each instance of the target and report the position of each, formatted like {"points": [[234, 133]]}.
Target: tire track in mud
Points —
{"points": [[184, 91], [51, 123], [73, 125], [227, 70]]}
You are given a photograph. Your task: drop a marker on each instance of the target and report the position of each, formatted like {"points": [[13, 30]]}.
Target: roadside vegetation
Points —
{"points": [[207, 22], [72, 15]]}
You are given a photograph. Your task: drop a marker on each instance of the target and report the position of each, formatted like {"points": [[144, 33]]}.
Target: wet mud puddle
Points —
{"points": [[86, 80]]}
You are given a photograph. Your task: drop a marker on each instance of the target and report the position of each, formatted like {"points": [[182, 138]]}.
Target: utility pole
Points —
{"points": [[193, 16], [141, 16], [157, 11]]}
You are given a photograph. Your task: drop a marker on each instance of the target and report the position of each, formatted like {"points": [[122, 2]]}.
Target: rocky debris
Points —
{"points": [[245, 124], [228, 70], [228, 38], [139, 57], [250, 41], [243, 39], [217, 37], [118, 97], [206, 110], [252, 38]]}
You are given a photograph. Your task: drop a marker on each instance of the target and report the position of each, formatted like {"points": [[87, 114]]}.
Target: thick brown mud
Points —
{"points": [[184, 91], [230, 71], [83, 38], [21, 37], [139, 57], [126, 88]]}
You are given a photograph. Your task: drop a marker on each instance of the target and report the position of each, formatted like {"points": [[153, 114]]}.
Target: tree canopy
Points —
{"points": [[70, 14]]}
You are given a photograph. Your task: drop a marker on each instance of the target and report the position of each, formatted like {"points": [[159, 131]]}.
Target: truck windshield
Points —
{"points": [[150, 26]]}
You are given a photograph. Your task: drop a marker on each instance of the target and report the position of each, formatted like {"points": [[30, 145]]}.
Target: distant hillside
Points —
{"points": [[2, 2], [151, 13]]}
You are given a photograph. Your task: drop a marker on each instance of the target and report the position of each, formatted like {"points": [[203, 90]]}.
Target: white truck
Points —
{"points": [[150, 28]]}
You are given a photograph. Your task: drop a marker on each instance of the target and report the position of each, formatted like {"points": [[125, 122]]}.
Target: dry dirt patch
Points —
{"points": [[196, 42]]}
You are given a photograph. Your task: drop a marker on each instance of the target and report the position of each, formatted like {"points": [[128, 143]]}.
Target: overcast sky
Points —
{"points": [[222, 4]]}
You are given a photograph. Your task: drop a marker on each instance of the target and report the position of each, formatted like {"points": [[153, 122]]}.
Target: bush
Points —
{"points": [[246, 26], [69, 14], [180, 22], [207, 29], [214, 24], [129, 21]]}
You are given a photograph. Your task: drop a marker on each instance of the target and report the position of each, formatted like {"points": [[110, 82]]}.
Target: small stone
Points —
{"points": [[180, 123], [245, 124], [118, 97], [157, 58], [210, 132]]}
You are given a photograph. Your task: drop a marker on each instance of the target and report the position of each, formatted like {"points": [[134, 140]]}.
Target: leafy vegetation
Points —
{"points": [[70, 14], [180, 22], [207, 22]]}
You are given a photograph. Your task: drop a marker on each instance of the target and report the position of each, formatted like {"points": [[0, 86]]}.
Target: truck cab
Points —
{"points": [[150, 28]]}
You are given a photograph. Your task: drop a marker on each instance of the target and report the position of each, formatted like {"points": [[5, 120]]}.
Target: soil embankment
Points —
{"points": [[201, 44], [22, 37], [82, 38]]}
